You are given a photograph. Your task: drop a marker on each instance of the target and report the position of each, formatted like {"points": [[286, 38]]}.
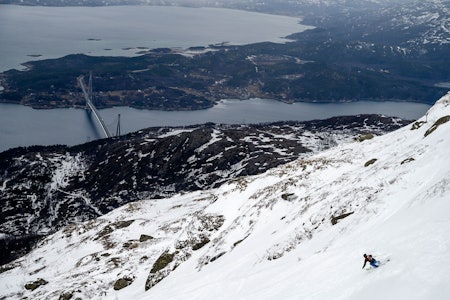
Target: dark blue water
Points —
{"points": [[24, 126]]}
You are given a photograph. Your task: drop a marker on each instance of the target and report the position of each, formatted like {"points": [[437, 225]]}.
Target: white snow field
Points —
{"points": [[296, 232]]}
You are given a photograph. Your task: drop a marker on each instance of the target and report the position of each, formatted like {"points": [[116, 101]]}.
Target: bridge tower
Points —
{"points": [[89, 105], [90, 95], [118, 126]]}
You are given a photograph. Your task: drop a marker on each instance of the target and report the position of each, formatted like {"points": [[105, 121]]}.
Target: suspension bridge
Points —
{"points": [[87, 92]]}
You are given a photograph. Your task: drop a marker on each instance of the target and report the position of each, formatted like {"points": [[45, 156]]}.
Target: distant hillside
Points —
{"points": [[397, 52], [45, 188]]}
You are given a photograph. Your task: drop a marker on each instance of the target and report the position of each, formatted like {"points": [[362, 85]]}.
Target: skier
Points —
{"points": [[368, 258]]}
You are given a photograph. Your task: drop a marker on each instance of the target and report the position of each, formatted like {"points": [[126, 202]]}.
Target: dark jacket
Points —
{"points": [[367, 258]]}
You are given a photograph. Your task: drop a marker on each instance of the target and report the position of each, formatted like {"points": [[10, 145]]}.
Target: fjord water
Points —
{"points": [[24, 126], [30, 33]]}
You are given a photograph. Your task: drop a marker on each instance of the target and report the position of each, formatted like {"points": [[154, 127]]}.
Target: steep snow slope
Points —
{"points": [[43, 189], [294, 232]]}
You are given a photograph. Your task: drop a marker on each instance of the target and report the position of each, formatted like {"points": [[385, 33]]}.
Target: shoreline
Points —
{"points": [[137, 42], [221, 101]]}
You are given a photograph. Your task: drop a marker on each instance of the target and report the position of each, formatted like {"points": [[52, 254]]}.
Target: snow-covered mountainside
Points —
{"points": [[45, 188], [409, 25], [421, 22], [297, 231]]}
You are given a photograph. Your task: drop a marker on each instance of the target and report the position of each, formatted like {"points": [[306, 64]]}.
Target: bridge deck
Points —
{"points": [[92, 107]]}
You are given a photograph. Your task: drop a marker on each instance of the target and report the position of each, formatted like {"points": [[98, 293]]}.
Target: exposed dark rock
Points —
{"points": [[200, 244], [130, 245], [370, 162], [437, 124], [334, 220], [288, 196], [217, 256], [122, 283], [35, 284], [145, 237], [407, 160], [66, 296], [163, 260], [111, 227]]}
